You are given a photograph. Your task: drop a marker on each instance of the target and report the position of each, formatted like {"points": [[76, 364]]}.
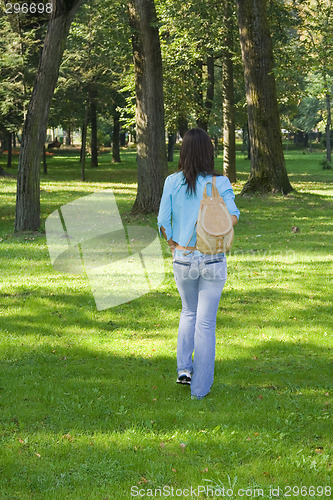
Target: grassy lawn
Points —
{"points": [[89, 407]]}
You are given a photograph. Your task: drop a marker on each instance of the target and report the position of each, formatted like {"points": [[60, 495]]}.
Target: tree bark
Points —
{"points": [[268, 171], [205, 106], [93, 127], [83, 143], [171, 146], [122, 137], [198, 84], [182, 125], [151, 153], [28, 180], [67, 138], [116, 137], [229, 141], [44, 160], [328, 129]]}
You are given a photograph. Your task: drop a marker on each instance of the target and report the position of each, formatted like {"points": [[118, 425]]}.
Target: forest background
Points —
{"points": [[167, 65]]}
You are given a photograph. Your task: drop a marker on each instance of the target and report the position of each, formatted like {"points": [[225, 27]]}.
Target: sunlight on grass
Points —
{"points": [[89, 403]]}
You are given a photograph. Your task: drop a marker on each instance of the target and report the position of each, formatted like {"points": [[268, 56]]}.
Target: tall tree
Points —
{"points": [[205, 105], [19, 47], [97, 57], [316, 29], [150, 131], [229, 143], [93, 125], [28, 180], [268, 171], [191, 40]]}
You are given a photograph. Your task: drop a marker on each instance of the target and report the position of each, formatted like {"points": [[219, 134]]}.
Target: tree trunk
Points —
{"points": [[248, 145], [34, 131], [151, 154], [171, 146], [182, 125], [197, 70], [122, 138], [83, 139], [83, 143], [93, 125], [44, 160], [328, 129], [268, 171], [206, 106], [67, 134], [306, 140], [116, 137], [229, 141]]}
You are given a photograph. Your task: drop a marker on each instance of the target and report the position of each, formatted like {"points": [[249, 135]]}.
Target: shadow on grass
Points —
{"points": [[89, 403], [79, 417], [95, 407], [32, 309]]}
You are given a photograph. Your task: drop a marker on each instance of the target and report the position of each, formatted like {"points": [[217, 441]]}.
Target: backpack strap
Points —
{"points": [[215, 191], [189, 251], [215, 194]]}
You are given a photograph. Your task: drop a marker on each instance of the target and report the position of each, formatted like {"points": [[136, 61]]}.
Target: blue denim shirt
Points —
{"points": [[179, 210]]}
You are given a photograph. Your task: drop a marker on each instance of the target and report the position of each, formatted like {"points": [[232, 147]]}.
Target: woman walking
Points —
{"points": [[200, 278]]}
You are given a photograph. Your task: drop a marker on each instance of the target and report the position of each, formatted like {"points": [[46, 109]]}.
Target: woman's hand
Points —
{"points": [[172, 244]]}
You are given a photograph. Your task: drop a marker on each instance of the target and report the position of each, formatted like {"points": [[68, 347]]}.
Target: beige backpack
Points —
{"points": [[215, 232]]}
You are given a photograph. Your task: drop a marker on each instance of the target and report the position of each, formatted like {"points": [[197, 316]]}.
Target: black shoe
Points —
{"points": [[184, 377]]}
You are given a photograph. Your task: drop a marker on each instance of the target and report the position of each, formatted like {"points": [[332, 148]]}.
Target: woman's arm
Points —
{"points": [[234, 220], [172, 244]]}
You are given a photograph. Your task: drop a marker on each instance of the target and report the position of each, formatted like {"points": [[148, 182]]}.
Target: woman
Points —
{"points": [[199, 278]]}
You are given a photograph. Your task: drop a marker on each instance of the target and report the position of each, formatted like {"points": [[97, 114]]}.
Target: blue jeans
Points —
{"points": [[200, 280]]}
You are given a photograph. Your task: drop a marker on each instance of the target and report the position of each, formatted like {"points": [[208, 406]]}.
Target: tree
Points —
{"points": [[98, 56], [150, 131], [229, 144], [28, 180], [307, 118], [191, 43], [268, 171], [19, 46], [204, 105], [316, 30]]}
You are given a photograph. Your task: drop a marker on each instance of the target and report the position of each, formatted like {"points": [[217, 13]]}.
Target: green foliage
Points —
{"points": [[289, 56], [19, 45], [89, 403], [96, 59], [189, 33], [316, 39], [326, 165], [308, 114]]}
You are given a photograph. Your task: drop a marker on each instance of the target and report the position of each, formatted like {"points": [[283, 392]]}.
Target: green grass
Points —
{"points": [[88, 402]]}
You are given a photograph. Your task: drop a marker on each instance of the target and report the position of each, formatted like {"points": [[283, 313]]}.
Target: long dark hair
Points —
{"points": [[196, 157]]}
